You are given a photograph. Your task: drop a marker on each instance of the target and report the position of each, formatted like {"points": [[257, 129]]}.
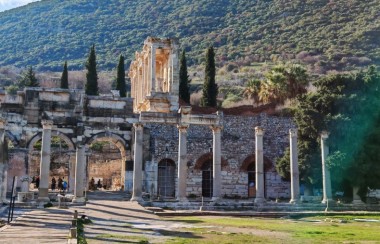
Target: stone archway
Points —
{"points": [[249, 166], [109, 179], [62, 164], [166, 178]]}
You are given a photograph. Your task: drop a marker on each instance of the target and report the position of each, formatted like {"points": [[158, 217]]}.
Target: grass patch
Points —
{"points": [[80, 230], [218, 238], [301, 230], [141, 240]]}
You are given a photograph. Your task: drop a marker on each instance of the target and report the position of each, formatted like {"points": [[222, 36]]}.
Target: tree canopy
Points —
{"points": [[210, 88], [347, 106], [184, 92], [92, 75], [120, 79], [28, 79], [65, 77]]}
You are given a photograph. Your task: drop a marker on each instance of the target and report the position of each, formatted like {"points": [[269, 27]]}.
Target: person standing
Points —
{"points": [[60, 183], [37, 182], [53, 183]]}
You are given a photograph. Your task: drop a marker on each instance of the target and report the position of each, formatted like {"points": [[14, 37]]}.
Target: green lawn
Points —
{"points": [[320, 229]]}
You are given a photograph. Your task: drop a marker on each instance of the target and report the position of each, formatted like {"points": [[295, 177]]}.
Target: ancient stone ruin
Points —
{"points": [[146, 145]]}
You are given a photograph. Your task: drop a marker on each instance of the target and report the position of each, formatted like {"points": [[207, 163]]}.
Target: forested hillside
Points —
{"points": [[325, 34]]}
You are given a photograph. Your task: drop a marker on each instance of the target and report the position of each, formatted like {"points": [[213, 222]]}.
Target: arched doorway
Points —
{"points": [[251, 180], [166, 178], [207, 179], [106, 162], [249, 165], [62, 159]]}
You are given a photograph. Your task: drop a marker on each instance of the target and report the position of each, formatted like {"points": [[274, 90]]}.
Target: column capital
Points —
{"points": [[182, 127], [293, 132], [325, 135], [259, 131], [47, 124], [3, 122], [216, 128], [138, 126]]}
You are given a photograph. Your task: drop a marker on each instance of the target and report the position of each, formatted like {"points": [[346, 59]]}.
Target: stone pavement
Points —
{"points": [[117, 220], [38, 226]]}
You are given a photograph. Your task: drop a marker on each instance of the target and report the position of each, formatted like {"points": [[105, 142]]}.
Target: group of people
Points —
{"points": [[62, 184], [92, 185]]}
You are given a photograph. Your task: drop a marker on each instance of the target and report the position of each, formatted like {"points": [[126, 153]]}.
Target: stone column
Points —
{"points": [[259, 133], [327, 194], [217, 162], [294, 173], [137, 164], [80, 173], [3, 162], [182, 162], [356, 198], [45, 161], [153, 68]]}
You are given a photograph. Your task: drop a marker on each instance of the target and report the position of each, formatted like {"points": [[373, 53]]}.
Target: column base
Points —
{"points": [[294, 201], [136, 199], [78, 200], [215, 199], [328, 201], [43, 199], [182, 199], [357, 202], [260, 200]]}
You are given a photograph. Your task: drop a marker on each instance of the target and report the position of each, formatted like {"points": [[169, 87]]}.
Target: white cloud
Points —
{"points": [[8, 4]]}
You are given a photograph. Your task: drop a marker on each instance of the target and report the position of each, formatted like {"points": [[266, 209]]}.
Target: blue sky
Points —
{"points": [[8, 4]]}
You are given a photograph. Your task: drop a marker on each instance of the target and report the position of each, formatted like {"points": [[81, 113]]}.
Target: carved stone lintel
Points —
{"points": [[293, 132], [325, 135], [216, 128], [259, 131], [182, 127], [138, 126], [47, 124]]}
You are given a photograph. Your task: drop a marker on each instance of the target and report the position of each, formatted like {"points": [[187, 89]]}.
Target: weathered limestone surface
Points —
{"points": [[294, 172], [155, 76], [80, 174], [138, 161], [326, 180], [260, 198], [45, 161]]}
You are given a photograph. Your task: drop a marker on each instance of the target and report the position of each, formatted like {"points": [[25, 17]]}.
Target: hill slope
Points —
{"points": [[46, 33]]}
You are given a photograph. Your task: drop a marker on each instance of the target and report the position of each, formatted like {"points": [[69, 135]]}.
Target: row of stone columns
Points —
{"points": [[182, 162]]}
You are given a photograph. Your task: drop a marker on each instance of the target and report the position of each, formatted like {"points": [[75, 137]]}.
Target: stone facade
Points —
{"points": [[238, 143]]}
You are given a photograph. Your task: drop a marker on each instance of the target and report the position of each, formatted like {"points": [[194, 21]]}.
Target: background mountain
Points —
{"points": [[325, 34]]}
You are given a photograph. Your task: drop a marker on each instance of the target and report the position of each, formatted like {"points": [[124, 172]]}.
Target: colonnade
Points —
{"points": [[182, 162]]}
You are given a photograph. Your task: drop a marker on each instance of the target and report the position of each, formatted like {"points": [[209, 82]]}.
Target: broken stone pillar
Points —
{"points": [[259, 133], [294, 173], [137, 164], [3, 162], [356, 198], [45, 161], [80, 174], [182, 162], [217, 162], [326, 180]]}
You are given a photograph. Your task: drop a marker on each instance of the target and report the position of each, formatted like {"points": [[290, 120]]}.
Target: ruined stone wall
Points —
{"points": [[238, 142]]}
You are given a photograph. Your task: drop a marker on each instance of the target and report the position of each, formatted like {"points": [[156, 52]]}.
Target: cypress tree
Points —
{"points": [[29, 79], [184, 81], [65, 77], [120, 80], [210, 88], [92, 76]]}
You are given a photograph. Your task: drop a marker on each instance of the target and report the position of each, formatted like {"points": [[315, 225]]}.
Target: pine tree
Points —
{"points": [[120, 80], [210, 88], [65, 77], [92, 76], [29, 79], [184, 81]]}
